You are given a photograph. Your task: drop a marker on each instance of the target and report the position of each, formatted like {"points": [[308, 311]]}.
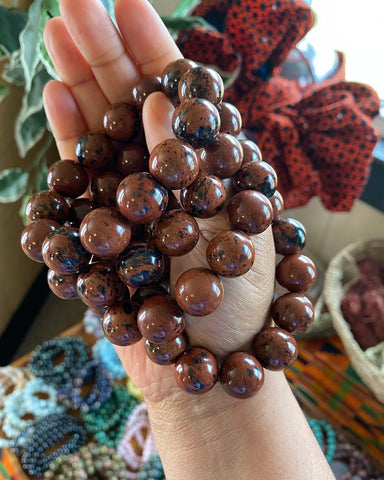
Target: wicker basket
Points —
{"points": [[342, 271]]}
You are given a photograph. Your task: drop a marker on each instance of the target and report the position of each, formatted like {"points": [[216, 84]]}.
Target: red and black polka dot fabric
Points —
{"points": [[319, 141]]}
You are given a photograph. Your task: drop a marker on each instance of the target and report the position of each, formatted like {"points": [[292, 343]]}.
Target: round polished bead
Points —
{"points": [[241, 375], [147, 85], [67, 178], [94, 150], [296, 273], [289, 236], [175, 233], [251, 152], [204, 197], [223, 157], [166, 353], [132, 158], [293, 312], [103, 188], [174, 164], [160, 319], [78, 209], [141, 294], [201, 82], [250, 211], [277, 203], [197, 122], [140, 265], [275, 348], [258, 176], [63, 251], [196, 370], [141, 198], [122, 122], [104, 232], [47, 204], [120, 323], [230, 253], [171, 75], [199, 291], [63, 286], [33, 236], [230, 119]]}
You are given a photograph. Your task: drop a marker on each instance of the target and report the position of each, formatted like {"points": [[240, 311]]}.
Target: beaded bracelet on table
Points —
{"points": [[104, 351]]}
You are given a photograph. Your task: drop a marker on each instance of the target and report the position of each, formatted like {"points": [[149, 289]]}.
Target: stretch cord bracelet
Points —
{"points": [[152, 469], [326, 437], [104, 352], [125, 234], [92, 324], [12, 379]]}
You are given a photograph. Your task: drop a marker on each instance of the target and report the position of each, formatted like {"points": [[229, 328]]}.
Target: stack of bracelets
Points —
{"points": [[125, 233]]}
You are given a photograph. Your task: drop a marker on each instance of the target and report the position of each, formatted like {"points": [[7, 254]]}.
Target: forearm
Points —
{"points": [[265, 437]]}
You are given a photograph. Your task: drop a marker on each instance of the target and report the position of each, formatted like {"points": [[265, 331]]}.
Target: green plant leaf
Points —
{"points": [[12, 22], [13, 70], [184, 8], [13, 184], [30, 40], [29, 130], [185, 23], [33, 100], [49, 8], [4, 90]]}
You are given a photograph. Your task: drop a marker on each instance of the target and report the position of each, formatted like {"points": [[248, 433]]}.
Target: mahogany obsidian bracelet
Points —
{"points": [[124, 234]]}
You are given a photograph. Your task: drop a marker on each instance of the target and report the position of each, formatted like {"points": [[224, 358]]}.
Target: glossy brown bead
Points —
{"points": [[103, 188], [166, 353], [230, 253], [223, 157], [196, 370], [251, 152], [230, 119], [94, 150], [275, 348], [293, 312], [63, 286], [47, 204], [201, 82], [147, 85], [175, 233], [199, 291], [160, 319], [122, 122], [249, 211], [132, 158], [241, 375], [33, 236], [204, 197], [174, 164], [197, 122], [141, 294], [67, 178], [78, 209], [141, 198], [296, 273], [277, 203], [63, 252], [258, 176], [171, 75], [104, 232], [289, 236], [120, 323]]}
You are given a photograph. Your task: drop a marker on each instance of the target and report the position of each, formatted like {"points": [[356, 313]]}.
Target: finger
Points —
{"points": [[145, 35], [100, 43], [75, 72], [157, 119], [64, 117]]}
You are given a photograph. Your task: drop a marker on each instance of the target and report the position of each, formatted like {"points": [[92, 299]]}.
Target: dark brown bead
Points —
{"points": [[249, 211], [63, 286], [132, 158], [275, 348], [175, 233], [33, 236], [104, 232], [173, 202], [241, 375], [174, 164], [160, 319], [223, 157], [230, 253], [78, 209], [122, 122], [67, 178], [258, 176], [142, 294], [166, 353], [104, 186], [201, 82], [196, 370], [230, 118], [199, 291], [47, 204], [277, 203], [63, 251], [147, 85], [293, 312], [289, 236], [204, 197], [171, 75], [94, 150], [296, 273], [141, 198], [251, 152], [197, 122], [120, 323]]}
